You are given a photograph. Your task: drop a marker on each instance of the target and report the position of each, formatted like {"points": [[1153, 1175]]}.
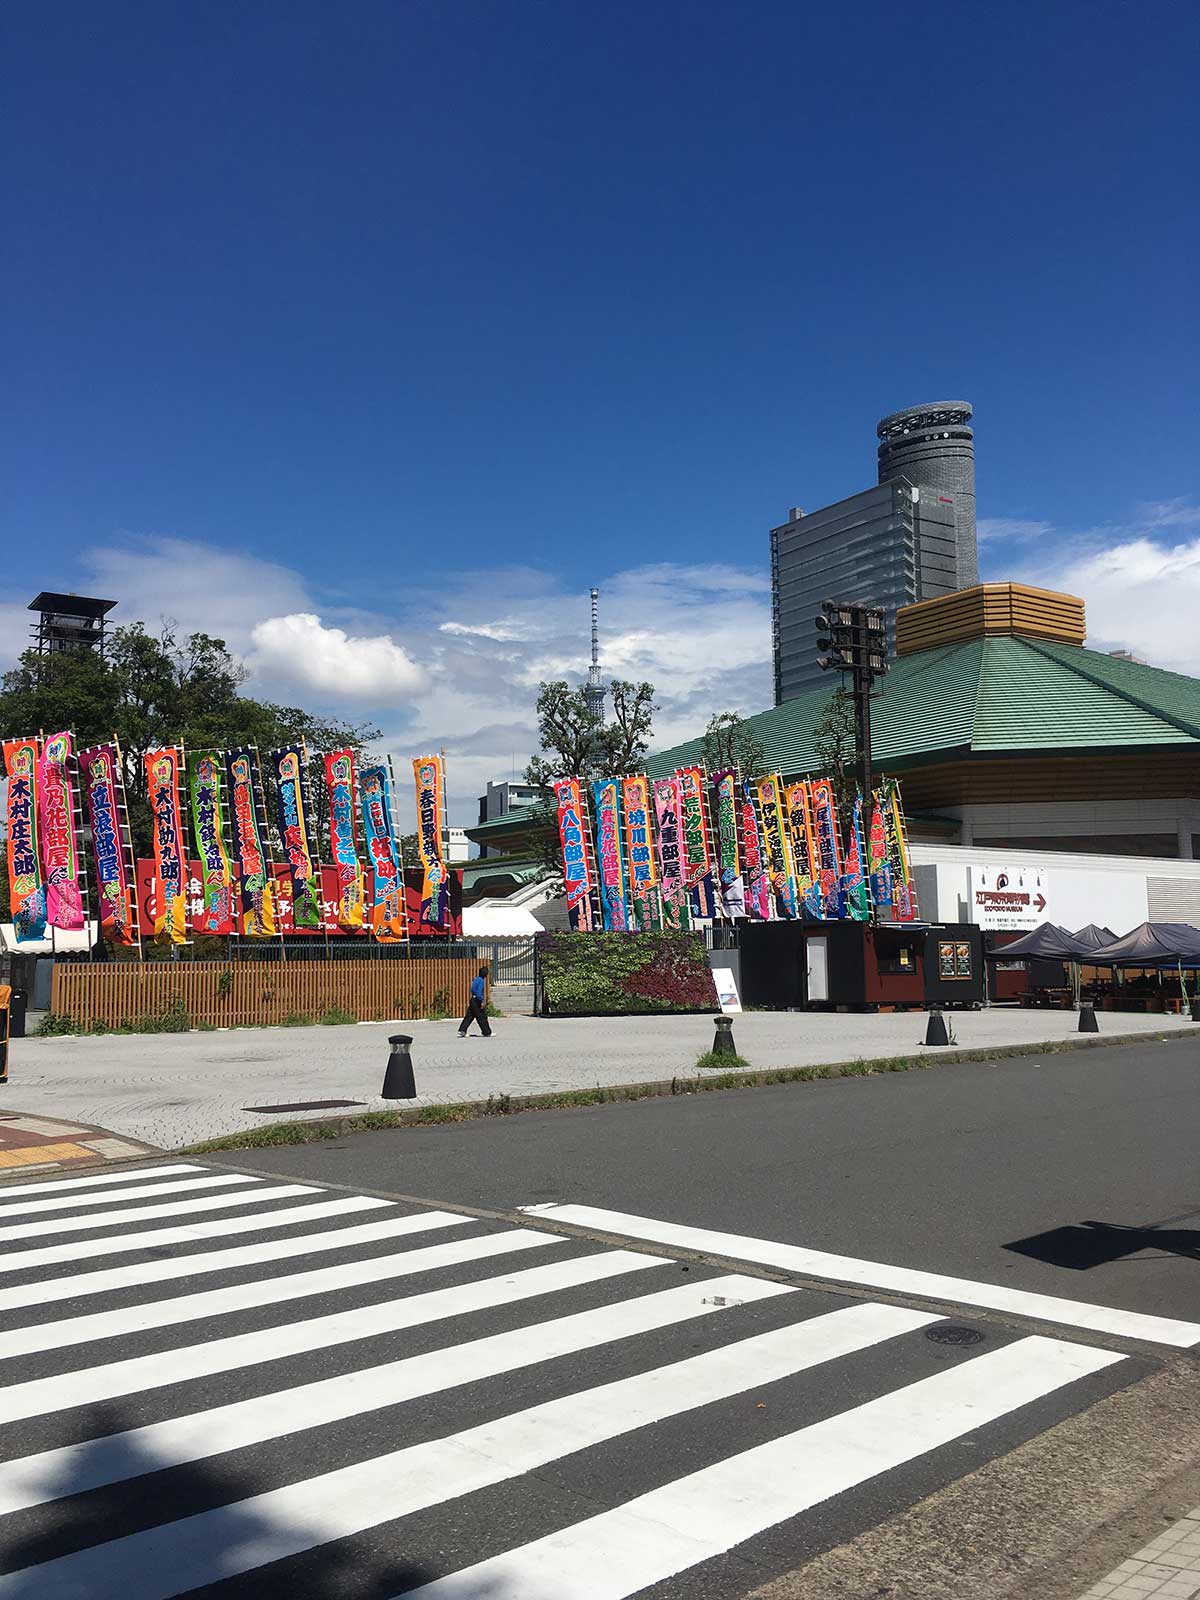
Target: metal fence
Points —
{"points": [[508, 960]]}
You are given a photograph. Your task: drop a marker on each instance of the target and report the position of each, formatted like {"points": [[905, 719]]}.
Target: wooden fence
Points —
{"points": [[224, 994]]}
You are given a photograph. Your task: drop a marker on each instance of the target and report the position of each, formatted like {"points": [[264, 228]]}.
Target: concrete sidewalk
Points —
{"points": [[171, 1090]]}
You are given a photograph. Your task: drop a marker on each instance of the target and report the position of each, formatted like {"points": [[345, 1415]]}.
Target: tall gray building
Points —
{"points": [[911, 538], [933, 447], [885, 547]]}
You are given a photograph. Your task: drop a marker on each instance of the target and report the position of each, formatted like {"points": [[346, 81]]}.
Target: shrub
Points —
{"points": [[175, 1018], [335, 1017], [439, 1006], [297, 1019], [53, 1025], [594, 974], [722, 1063]]}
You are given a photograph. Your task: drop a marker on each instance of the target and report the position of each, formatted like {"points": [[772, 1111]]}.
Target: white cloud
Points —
{"points": [[1140, 596], [299, 651], [467, 672]]}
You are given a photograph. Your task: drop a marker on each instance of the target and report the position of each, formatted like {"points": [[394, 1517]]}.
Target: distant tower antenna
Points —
{"points": [[594, 693]]}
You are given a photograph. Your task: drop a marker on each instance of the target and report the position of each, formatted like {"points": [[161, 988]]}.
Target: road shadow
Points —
{"points": [[1083, 1245], [76, 1514]]}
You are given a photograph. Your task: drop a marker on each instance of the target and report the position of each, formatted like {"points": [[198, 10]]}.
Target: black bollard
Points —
{"points": [[398, 1081], [1087, 1018], [1196, 1009], [935, 1029], [723, 1044]]}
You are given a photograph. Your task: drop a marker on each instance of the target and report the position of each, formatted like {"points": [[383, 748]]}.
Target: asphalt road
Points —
{"points": [[1078, 1175], [276, 1373]]}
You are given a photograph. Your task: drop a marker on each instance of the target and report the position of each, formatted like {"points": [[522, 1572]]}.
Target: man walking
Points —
{"points": [[476, 1011]]}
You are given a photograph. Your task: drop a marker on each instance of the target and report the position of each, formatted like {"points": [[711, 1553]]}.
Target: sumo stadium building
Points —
{"points": [[1011, 740]]}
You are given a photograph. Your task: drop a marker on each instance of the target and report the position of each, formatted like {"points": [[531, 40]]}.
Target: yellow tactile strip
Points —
{"points": [[30, 1155]]}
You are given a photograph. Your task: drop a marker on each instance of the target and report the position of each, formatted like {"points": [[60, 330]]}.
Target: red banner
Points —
{"points": [[413, 880]]}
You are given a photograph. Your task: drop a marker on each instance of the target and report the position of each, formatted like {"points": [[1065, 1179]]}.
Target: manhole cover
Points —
{"points": [[308, 1105], [953, 1335]]}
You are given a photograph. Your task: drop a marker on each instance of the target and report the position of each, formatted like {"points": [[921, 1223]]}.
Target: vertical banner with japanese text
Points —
{"points": [[800, 825], [855, 898], [247, 815], [297, 834], [758, 882], [639, 852], [26, 886], [827, 853], [879, 871], [697, 857], [208, 830], [340, 790], [170, 858], [669, 821], [389, 922], [435, 891], [775, 839], [903, 888], [56, 825], [731, 888], [610, 867], [572, 838], [100, 776]]}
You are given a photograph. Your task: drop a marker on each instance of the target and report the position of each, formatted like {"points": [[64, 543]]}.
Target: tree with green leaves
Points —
{"points": [[159, 689], [576, 743], [730, 741], [834, 743]]}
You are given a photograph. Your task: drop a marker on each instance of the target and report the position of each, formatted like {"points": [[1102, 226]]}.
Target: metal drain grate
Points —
{"points": [[308, 1105], [953, 1335]]}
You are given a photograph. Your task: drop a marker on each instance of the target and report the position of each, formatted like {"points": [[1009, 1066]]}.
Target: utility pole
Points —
{"points": [[855, 639]]}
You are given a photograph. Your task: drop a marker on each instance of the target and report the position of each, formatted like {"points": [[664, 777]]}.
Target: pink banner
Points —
{"points": [[56, 816]]}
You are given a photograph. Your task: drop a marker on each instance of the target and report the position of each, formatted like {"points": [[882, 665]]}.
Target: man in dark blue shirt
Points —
{"points": [[476, 1011]]}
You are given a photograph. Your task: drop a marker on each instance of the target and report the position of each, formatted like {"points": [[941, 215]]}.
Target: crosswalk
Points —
{"points": [[317, 1394]]}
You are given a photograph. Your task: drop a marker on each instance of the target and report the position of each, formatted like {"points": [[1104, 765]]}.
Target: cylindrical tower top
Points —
{"points": [[938, 414], [933, 448]]}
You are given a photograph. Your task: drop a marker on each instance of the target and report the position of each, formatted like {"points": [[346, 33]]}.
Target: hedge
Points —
{"points": [[606, 974]]}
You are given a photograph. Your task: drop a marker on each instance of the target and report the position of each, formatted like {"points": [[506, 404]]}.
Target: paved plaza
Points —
{"points": [[170, 1090]]}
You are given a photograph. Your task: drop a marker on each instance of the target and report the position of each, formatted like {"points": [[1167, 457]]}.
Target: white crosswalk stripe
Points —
{"points": [[60, 1202], [144, 1212], [429, 1375], [881, 1275]]}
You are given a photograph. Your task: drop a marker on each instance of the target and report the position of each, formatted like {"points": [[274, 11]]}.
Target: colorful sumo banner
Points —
{"points": [[697, 859], [758, 883], [669, 823], [903, 887], [610, 867], [827, 854], [56, 825], [100, 775], [879, 871], [388, 921], [427, 773], [730, 885], [343, 838], [208, 830], [855, 898], [572, 838], [775, 839], [26, 886], [798, 802], [639, 853], [296, 834], [247, 809], [170, 867]]}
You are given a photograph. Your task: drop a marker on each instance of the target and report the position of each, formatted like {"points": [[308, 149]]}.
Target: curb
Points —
{"points": [[318, 1128]]}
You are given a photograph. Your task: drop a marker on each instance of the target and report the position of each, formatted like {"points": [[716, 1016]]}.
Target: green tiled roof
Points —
{"points": [[988, 696]]}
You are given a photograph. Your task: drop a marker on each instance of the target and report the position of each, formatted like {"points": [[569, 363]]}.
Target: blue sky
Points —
{"points": [[417, 318]]}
